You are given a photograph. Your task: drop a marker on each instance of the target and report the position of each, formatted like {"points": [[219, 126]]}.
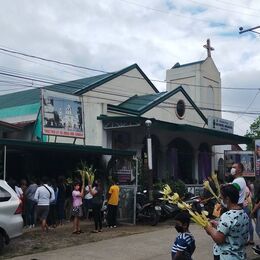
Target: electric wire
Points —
{"points": [[127, 76], [223, 9], [109, 93]]}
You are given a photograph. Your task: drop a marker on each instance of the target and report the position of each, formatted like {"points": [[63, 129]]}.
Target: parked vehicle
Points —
{"points": [[11, 222], [147, 211], [169, 210], [196, 203]]}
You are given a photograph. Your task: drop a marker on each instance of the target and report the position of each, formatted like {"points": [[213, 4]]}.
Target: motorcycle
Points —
{"points": [[147, 211], [169, 210], [196, 203]]}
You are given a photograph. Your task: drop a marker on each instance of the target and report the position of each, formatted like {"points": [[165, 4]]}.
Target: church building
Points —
{"points": [[110, 112]]}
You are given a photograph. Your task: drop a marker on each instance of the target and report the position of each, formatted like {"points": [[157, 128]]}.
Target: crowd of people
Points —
{"points": [[51, 202], [234, 229]]}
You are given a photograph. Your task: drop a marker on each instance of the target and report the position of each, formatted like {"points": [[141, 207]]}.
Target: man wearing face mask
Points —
{"points": [[231, 232], [184, 245], [239, 181]]}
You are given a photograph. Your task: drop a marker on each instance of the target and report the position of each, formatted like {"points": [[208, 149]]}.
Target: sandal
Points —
{"points": [[75, 232], [94, 231]]}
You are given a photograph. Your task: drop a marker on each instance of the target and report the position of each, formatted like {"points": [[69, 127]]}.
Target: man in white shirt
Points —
{"points": [[44, 195], [239, 181]]}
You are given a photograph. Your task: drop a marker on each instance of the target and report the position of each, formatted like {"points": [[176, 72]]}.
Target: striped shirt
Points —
{"points": [[184, 243]]}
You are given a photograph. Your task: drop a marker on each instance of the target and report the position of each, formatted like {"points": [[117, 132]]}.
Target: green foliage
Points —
{"points": [[179, 187], [253, 132], [176, 186]]}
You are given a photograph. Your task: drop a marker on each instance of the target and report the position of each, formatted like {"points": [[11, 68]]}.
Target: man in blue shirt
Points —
{"points": [[184, 245]]}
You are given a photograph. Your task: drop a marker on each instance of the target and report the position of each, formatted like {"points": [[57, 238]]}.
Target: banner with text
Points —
{"points": [[257, 157], [220, 124], [62, 114], [244, 157]]}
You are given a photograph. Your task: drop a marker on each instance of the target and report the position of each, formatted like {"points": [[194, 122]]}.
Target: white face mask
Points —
{"points": [[233, 171]]}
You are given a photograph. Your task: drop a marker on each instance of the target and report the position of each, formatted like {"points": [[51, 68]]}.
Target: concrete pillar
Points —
{"points": [[213, 163], [162, 166], [196, 164]]}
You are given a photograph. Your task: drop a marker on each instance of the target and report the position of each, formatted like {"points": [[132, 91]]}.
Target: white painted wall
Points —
{"points": [[113, 92], [166, 111], [204, 84]]}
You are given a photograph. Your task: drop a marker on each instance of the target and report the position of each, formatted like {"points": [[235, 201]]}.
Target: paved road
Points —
{"points": [[152, 245]]}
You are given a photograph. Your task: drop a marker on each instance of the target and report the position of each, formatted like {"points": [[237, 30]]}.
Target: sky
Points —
{"points": [[108, 35]]}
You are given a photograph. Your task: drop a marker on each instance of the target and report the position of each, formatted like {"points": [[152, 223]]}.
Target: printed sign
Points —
{"points": [[257, 157], [244, 157], [62, 114], [124, 176], [220, 124]]}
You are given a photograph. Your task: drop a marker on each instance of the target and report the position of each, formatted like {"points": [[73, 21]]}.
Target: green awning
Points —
{"points": [[44, 146], [210, 136]]}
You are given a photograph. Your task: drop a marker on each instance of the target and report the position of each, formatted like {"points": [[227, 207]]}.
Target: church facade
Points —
{"points": [[116, 107]]}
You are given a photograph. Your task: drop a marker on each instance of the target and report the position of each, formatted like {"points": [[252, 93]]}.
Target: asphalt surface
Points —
{"points": [[149, 245]]}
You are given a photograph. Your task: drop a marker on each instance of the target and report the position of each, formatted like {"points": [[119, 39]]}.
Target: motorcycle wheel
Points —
{"points": [[154, 217]]}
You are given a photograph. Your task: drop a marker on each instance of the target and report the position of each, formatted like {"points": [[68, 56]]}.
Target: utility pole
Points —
{"points": [[241, 30], [148, 124]]}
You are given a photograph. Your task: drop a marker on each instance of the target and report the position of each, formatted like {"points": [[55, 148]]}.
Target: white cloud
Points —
{"points": [[112, 34]]}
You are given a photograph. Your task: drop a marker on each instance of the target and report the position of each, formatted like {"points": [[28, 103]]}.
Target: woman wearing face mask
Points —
{"points": [[184, 245], [231, 233]]}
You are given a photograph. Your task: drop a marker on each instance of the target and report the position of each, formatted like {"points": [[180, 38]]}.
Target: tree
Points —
{"points": [[253, 132]]}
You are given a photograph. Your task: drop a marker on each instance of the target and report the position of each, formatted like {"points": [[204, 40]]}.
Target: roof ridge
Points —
{"points": [[178, 65]]}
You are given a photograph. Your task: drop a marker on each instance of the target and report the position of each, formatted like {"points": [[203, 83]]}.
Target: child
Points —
{"points": [[184, 245], [77, 205]]}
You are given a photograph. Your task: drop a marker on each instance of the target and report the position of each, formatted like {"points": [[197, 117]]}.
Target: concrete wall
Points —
{"points": [[204, 84], [166, 111], [113, 92]]}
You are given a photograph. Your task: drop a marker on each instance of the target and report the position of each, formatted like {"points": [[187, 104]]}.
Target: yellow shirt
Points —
{"points": [[114, 195]]}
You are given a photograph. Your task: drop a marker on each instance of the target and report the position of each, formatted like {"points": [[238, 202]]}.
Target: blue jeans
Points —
{"points": [[30, 212], [257, 228], [251, 228]]}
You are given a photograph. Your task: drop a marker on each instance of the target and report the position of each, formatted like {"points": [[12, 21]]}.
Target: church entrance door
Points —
{"points": [[180, 158]]}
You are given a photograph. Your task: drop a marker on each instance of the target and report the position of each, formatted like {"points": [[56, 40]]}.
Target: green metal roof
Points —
{"points": [[73, 87], [214, 137], [76, 87], [33, 96], [20, 98], [138, 105], [19, 144]]}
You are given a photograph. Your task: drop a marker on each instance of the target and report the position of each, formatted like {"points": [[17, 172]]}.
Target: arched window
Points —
{"points": [[180, 158], [180, 109], [204, 162]]}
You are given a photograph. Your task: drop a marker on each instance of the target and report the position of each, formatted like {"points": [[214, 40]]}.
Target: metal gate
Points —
{"points": [[127, 204]]}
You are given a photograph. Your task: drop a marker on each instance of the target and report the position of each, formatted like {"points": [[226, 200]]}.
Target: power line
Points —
{"points": [[238, 5], [250, 104], [110, 93], [172, 12], [224, 9], [127, 76]]}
